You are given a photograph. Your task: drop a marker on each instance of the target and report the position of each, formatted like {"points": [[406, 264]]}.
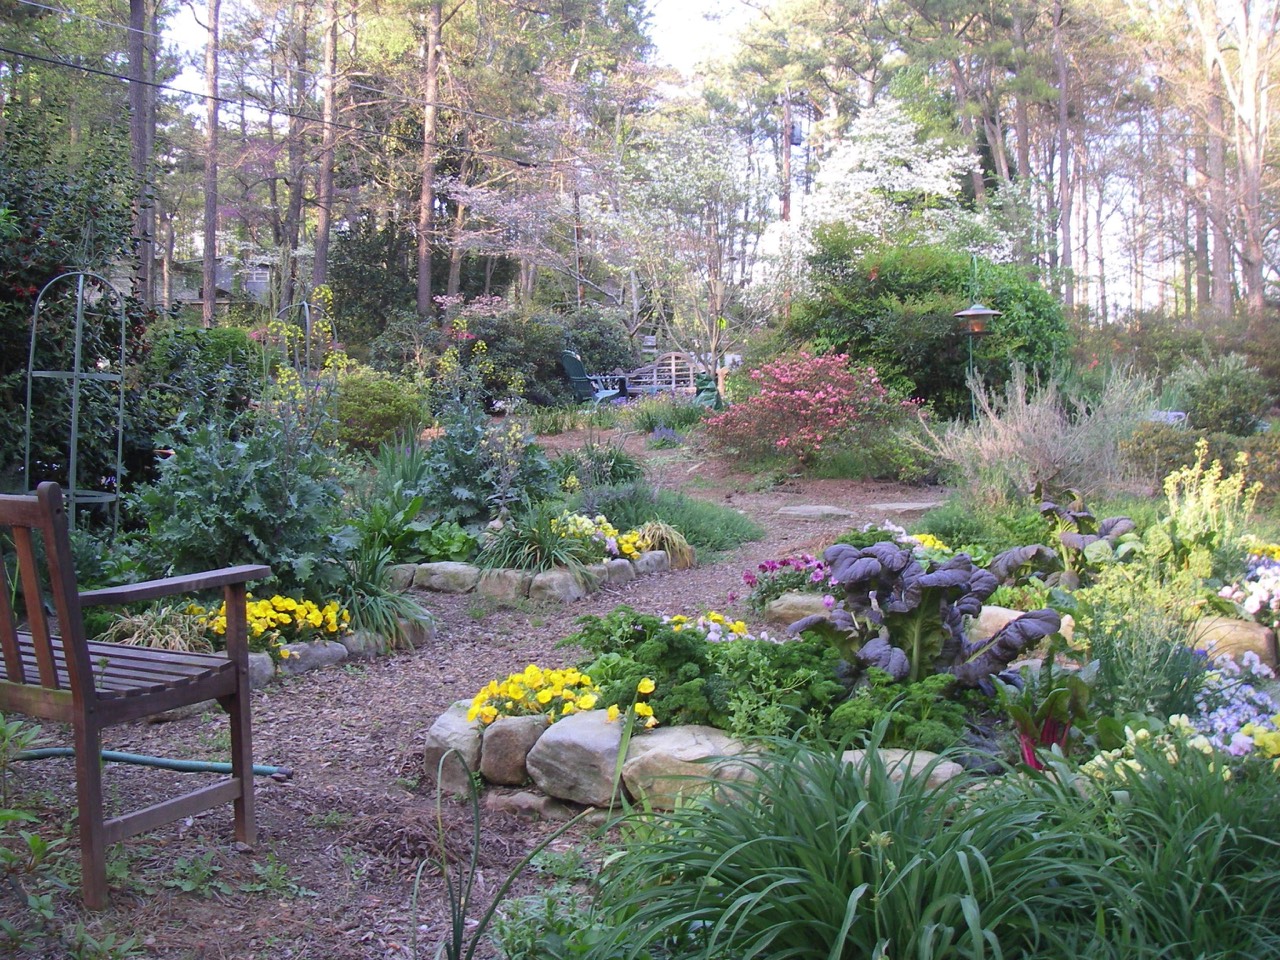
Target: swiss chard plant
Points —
{"points": [[896, 615]]}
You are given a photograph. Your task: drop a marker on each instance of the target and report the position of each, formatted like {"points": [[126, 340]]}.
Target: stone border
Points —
{"points": [[504, 584], [314, 654]]}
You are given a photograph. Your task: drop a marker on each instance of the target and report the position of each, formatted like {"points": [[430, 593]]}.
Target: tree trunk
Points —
{"points": [[296, 72], [140, 114], [1064, 161], [455, 233], [1219, 210], [328, 140], [427, 196], [209, 290], [1201, 227]]}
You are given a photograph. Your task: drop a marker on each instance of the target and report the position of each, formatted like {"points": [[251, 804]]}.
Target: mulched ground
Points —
{"points": [[341, 840]]}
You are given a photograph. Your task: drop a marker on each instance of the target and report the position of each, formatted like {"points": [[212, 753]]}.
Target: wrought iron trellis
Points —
{"points": [[92, 294]]}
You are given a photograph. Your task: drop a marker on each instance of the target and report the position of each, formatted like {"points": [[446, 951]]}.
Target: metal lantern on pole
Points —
{"points": [[974, 318]]}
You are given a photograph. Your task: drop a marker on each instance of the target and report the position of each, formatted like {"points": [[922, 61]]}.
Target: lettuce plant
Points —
{"points": [[908, 620]]}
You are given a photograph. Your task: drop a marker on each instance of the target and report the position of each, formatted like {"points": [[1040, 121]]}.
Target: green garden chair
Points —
{"points": [[589, 388]]}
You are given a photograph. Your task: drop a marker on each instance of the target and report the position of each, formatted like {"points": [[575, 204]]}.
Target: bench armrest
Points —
{"points": [[171, 586]]}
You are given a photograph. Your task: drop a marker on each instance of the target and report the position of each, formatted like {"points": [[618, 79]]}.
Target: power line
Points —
{"points": [[243, 104]]}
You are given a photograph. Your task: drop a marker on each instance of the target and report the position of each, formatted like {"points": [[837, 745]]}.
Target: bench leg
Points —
{"points": [[237, 707], [93, 854]]}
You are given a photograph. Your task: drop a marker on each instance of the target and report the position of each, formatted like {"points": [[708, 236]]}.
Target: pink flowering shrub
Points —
{"points": [[806, 404]]}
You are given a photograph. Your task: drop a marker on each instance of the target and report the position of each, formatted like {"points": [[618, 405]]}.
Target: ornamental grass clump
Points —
{"points": [[803, 405], [808, 857]]}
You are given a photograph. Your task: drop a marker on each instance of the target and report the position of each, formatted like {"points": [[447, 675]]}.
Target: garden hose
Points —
{"points": [[183, 766]]}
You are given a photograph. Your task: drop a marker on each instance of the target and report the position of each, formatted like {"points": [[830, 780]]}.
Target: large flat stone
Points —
{"points": [[505, 584], [792, 606], [576, 758], [311, 655], [905, 509], [815, 512], [505, 748], [559, 584], [447, 577], [669, 763], [1222, 636], [901, 763]]}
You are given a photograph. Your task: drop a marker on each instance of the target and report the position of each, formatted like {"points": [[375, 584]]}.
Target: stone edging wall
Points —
{"points": [[503, 584]]}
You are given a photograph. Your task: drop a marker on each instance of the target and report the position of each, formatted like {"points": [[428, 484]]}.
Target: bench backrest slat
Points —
{"points": [[9, 631], [25, 519]]}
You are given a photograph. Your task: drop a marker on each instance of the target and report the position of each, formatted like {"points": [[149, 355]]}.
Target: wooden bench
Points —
{"points": [[668, 373], [92, 686]]}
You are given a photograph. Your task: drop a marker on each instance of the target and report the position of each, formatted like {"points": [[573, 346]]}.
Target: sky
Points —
{"points": [[686, 32]]}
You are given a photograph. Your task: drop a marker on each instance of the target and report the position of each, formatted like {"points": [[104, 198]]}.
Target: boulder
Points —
{"points": [[447, 576], [575, 759], [262, 670], [363, 644], [400, 577], [792, 606], [620, 571], [815, 512], [505, 584], [664, 764], [311, 655], [559, 584], [505, 748], [652, 561], [902, 762], [453, 731], [418, 632], [528, 804], [1225, 635]]}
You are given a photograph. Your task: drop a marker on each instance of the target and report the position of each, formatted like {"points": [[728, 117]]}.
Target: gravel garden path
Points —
{"points": [[332, 876]]}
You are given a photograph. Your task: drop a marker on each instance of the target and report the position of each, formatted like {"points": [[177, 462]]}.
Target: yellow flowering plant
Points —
{"points": [[599, 531], [279, 620], [535, 691], [640, 713]]}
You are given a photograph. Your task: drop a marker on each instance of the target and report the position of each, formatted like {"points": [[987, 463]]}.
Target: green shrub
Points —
{"points": [[707, 526], [962, 525], [777, 688], [210, 374], [893, 308], [271, 496], [478, 466], [1156, 450], [374, 408], [889, 455], [1224, 395]]}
